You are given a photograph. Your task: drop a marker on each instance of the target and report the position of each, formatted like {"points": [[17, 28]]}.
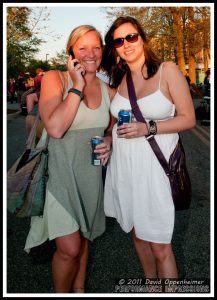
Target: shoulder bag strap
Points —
{"points": [[30, 143], [139, 117], [133, 100], [62, 77]]}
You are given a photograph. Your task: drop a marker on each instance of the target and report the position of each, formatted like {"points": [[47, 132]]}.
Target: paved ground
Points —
{"points": [[112, 255]]}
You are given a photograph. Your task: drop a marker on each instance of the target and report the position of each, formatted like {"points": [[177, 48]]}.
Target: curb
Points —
{"points": [[14, 115]]}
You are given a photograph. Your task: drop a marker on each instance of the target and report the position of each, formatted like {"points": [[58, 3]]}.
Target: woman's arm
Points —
{"points": [[179, 94], [57, 114]]}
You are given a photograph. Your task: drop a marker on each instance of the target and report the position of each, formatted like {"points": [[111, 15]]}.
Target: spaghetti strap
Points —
{"points": [[161, 67]]}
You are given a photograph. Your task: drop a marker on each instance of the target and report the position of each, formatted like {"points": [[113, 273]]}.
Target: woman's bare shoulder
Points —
{"points": [[53, 74], [55, 77], [171, 70], [170, 65]]}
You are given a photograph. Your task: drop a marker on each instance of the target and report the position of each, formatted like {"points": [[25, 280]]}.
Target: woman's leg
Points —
{"points": [[146, 257], [165, 259], [66, 261], [78, 285]]}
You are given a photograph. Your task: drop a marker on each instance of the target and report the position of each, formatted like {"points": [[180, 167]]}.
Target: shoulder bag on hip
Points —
{"points": [[27, 178]]}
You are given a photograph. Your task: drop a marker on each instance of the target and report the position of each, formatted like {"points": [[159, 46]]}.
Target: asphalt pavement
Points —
{"points": [[112, 256]]}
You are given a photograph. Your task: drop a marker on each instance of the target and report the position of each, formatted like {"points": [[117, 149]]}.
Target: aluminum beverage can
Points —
{"points": [[96, 140], [124, 117]]}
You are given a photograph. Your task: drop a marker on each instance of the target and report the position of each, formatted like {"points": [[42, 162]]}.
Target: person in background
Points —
{"points": [[37, 80], [206, 83], [30, 100], [33, 98], [29, 82], [137, 190], [11, 90], [74, 106], [20, 87]]}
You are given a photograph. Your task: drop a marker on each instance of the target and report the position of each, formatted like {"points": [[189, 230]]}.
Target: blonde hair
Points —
{"points": [[79, 32]]}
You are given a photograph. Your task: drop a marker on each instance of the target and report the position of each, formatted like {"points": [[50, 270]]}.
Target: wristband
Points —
{"points": [[77, 92]]}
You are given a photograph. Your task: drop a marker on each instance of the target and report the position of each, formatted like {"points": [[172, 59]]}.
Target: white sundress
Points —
{"points": [[137, 191]]}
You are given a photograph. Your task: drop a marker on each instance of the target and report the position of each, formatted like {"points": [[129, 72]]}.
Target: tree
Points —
{"points": [[33, 64], [177, 33], [21, 44], [190, 44], [60, 61], [26, 27], [206, 36]]}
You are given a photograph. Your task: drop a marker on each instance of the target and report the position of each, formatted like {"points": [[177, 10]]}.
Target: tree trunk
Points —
{"points": [[206, 59], [179, 38], [206, 39], [192, 69], [191, 50]]}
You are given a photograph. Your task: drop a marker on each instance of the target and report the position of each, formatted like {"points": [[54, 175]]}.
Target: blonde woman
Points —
{"points": [[74, 107]]}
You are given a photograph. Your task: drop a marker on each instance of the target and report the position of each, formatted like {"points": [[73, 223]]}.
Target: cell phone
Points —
{"points": [[73, 56], [71, 53]]}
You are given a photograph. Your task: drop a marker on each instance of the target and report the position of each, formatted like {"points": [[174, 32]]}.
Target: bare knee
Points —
{"points": [[68, 247], [161, 251]]}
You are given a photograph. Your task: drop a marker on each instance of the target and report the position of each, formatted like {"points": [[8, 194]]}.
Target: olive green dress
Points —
{"points": [[74, 195]]}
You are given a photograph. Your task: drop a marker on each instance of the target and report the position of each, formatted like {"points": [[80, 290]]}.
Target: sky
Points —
{"points": [[63, 20], [64, 17]]}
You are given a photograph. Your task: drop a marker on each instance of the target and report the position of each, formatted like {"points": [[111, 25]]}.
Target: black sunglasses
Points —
{"points": [[130, 38]]}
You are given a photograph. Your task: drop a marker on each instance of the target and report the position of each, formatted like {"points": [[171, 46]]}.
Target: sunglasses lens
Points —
{"points": [[132, 38], [118, 42]]}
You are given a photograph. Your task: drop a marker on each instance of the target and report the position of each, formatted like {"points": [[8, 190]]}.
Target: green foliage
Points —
{"points": [[60, 61], [21, 44], [25, 30], [34, 64]]}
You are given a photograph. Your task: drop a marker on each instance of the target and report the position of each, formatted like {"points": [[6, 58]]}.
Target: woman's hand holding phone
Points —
{"points": [[76, 71]]}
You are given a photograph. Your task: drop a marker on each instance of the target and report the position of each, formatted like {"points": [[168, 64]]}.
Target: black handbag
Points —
{"points": [[176, 168]]}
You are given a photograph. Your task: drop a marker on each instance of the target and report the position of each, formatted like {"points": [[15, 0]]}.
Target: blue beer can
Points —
{"points": [[96, 140], [124, 117]]}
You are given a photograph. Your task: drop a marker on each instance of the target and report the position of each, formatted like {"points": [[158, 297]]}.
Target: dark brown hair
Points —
{"points": [[116, 70]]}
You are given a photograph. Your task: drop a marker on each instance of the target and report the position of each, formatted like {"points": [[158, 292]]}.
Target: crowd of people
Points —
{"points": [[25, 89], [16, 87], [75, 106]]}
